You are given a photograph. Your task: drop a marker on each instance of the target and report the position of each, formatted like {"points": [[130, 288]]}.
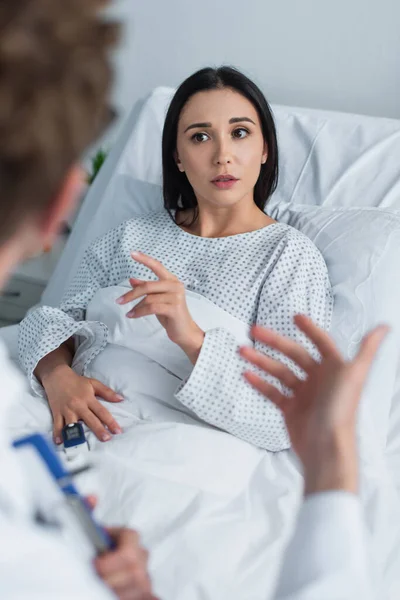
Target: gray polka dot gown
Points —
{"points": [[265, 277]]}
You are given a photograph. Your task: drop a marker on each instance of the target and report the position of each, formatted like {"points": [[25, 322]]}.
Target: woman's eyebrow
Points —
{"points": [[205, 125], [196, 125], [240, 120]]}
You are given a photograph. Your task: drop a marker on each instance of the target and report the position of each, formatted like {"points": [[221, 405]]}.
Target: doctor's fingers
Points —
{"points": [[271, 366], [286, 346], [125, 568], [128, 585], [266, 389], [131, 592], [319, 337], [128, 552]]}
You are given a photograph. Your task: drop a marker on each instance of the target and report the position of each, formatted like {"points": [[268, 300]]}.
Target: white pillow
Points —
{"points": [[312, 170], [364, 171], [361, 249]]}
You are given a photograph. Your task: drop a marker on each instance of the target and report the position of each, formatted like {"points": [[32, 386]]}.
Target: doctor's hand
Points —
{"points": [[321, 410], [72, 397], [124, 569], [166, 299]]}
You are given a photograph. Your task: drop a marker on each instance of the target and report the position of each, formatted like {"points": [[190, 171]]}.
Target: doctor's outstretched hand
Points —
{"points": [[166, 299], [321, 410]]}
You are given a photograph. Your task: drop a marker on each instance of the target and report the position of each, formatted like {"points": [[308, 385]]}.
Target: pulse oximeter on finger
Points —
{"points": [[74, 439]]}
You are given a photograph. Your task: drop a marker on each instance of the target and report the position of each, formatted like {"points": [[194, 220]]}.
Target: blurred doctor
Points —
{"points": [[327, 558], [54, 85]]}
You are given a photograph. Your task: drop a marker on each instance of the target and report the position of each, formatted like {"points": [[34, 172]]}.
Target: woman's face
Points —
{"points": [[219, 134]]}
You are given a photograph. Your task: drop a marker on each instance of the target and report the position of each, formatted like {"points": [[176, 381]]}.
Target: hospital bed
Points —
{"points": [[340, 185]]}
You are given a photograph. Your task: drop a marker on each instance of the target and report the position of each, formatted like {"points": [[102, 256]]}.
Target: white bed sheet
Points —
{"points": [[214, 511]]}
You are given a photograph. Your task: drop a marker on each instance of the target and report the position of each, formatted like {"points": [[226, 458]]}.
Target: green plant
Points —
{"points": [[97, 162]]}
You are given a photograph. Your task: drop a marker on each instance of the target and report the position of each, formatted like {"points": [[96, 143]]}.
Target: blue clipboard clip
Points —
{"points": [[96, 534]]}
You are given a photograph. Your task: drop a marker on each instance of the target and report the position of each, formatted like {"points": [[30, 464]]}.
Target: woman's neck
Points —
{"points": [[213, 223]]}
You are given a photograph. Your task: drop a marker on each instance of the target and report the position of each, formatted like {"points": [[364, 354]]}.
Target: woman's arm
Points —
{"points": [[47, 346], [61, 357], [216, 390], [44, 331]]}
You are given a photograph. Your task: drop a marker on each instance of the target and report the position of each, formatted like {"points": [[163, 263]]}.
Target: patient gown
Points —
{"points": [[264, 276]]}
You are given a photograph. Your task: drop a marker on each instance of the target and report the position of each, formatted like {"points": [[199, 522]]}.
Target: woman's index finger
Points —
{"points": [[153, 264]]}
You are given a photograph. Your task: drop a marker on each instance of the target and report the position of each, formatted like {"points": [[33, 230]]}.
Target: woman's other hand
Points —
{"points": [[320, 411], [72, 397], [166, 299]]}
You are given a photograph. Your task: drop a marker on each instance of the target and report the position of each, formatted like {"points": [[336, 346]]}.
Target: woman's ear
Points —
{"points": [[178, 162], [264, 155]]}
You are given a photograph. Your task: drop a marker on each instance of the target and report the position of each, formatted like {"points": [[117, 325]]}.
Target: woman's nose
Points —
{"points": [[223, 155], [223, 161]]}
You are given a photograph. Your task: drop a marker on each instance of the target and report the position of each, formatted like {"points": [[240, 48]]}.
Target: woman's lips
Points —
{"points": [[224, 185]]}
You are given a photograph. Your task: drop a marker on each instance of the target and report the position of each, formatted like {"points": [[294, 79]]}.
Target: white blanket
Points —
{"points": [[214, 511]]}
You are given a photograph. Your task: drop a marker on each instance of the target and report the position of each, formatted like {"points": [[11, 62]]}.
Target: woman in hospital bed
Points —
{"points": [[220, 166]]}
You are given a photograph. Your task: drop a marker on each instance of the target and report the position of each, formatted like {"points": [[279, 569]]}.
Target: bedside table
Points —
{"points": [[24, 288]]}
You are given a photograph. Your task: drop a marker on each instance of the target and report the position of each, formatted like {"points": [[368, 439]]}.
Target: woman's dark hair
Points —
{"points": [[177, 191]]}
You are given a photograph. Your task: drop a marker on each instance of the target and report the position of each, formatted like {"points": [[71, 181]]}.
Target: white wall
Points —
{"points": [[332, 54]]}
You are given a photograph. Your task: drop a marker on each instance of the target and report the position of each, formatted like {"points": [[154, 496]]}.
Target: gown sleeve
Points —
{"points": [[296, 282], [45, 328]]}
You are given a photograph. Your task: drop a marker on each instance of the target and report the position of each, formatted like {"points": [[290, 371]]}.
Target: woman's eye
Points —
{"points": [[241, 133], [199, 137]]}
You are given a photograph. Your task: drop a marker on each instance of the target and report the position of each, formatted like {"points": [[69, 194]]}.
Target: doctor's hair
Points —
{"points": [[55, 79], [177, 191]]}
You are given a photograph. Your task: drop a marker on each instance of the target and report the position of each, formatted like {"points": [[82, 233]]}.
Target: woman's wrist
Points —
{"points": [[54, 373], [58, 360], [192, 346]]}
